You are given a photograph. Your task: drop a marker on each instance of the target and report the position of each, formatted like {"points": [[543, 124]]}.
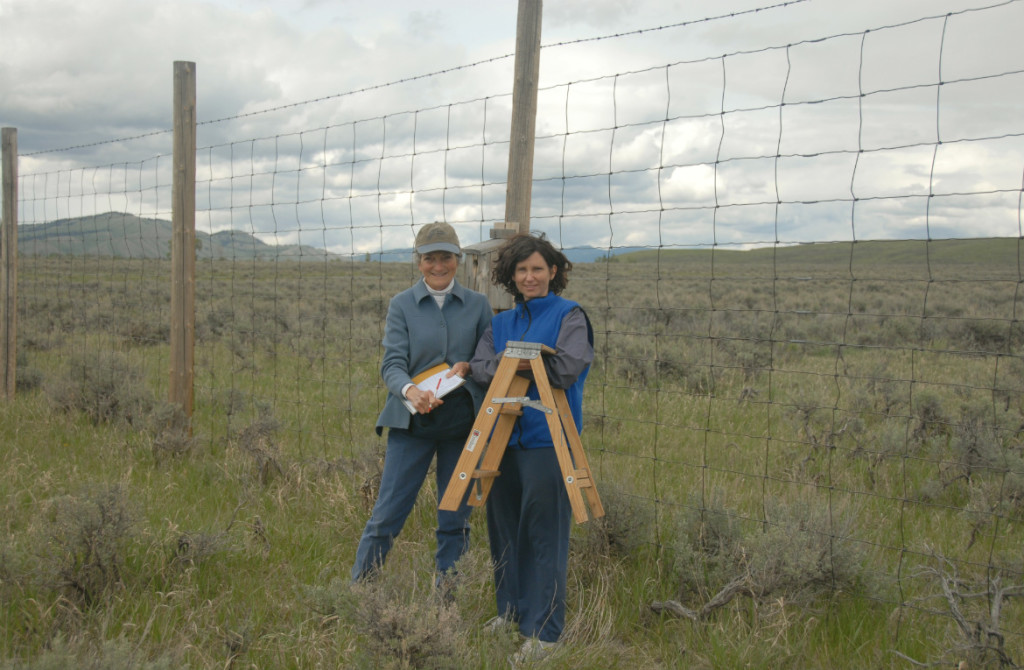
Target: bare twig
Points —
{"points": [[738, 586], [981, 632]]}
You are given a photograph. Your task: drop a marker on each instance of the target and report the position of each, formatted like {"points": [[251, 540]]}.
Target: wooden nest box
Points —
{"points": [[477, 262]]}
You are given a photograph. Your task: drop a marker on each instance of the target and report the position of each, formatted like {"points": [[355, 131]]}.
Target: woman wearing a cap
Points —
{"points": [[437, 320]]}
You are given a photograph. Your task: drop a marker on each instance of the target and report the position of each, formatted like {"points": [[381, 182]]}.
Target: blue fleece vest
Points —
{"points": [[537, 320]]}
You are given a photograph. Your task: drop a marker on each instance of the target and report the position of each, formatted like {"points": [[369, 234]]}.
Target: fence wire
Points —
{"points": [[806, 291]]}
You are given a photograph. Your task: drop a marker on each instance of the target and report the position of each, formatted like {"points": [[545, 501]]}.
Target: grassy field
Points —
{"points": [[811, 457]]}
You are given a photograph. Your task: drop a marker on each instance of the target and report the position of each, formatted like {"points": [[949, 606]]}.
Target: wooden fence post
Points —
{"points": [[183, 239], [478, 259], [9, 263], [519, 191]]}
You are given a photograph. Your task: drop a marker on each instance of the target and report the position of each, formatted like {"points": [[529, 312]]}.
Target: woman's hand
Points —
{"points": [[422, 401], [461, 369]]}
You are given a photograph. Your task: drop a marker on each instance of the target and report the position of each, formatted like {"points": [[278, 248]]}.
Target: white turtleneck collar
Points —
{"points": [[439, 296]]}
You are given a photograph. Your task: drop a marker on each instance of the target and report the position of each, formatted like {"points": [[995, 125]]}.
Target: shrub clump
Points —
{"points": [[118, 654], [105, 386], [800, 552], [171, 430], [85, 542], [628, 524], [193, 548], [398, 629], [258, 441], [977, 604]]}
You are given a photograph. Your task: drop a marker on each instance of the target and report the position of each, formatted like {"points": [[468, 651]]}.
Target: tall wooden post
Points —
{"points": [[183, 240], [479, 258], [9, 263], [524, 115]]}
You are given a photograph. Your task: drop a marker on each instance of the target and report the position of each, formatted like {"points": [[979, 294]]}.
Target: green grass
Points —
{"points": [[885, 402]]}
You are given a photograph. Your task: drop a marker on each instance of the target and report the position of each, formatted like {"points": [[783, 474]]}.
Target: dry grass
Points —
{"points": [[782, 449]]}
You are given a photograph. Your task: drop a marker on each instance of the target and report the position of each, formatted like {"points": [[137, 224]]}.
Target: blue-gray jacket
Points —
{"points": [[418, 335]]}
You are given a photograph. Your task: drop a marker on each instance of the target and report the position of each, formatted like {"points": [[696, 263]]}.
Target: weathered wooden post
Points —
{"points": [[478, 259], [183, 239], [524, 115], [9, 263]]}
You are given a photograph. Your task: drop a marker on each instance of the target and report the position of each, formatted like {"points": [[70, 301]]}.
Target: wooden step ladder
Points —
{"points": [[505, 401]]}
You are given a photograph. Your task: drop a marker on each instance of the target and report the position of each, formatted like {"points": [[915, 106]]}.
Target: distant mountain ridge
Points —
{"points": [[122, 235], [574, 254]]}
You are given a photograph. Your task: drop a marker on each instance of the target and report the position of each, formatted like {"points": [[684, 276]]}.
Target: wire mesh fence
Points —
{"points": [[806, 289]]}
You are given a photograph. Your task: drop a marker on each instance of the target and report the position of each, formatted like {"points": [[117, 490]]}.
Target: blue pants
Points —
{"points": [[528, 518], [406, 462]]}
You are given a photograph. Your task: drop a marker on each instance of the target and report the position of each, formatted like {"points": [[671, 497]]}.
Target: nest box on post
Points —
{"points": [[477, 262]]}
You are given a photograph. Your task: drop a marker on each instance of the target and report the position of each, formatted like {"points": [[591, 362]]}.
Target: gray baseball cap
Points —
{"points": [[437, 236]]}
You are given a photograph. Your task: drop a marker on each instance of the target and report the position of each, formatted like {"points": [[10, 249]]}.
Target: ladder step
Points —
{"points": [[507, 394]]}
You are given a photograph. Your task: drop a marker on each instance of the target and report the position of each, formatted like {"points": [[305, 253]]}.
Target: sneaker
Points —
{"points": [[498, 624], [532, 651]]}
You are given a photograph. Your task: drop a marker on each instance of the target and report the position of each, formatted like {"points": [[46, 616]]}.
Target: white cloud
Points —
{"points": [[692, 184], [662, 137]]}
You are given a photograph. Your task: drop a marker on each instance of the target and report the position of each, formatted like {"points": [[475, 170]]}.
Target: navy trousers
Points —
{"points": [[406, 463], [528, 520]]}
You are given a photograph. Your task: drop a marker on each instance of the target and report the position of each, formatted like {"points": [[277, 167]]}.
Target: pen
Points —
{"points": [[436, 389]]}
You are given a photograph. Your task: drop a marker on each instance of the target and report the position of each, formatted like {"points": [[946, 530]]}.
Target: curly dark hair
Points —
{"points": [[517, 250]]}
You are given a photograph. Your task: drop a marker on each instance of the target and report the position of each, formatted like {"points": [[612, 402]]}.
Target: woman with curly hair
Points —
{"points": [[528, 511]]}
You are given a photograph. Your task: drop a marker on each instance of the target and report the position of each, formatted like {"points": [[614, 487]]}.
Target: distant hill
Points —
{"points": [[574, 254], [123, 235], [592, 254], [993, 252]]}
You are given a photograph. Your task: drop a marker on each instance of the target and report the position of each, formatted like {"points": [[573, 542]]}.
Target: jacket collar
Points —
{"points": [[536, 304], [419, 290]]}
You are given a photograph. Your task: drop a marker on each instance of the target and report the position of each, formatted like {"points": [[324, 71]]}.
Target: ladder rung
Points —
{"points": [[507, 395]]}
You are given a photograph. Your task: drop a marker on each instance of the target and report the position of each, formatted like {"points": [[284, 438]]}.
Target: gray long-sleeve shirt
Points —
{"points": [[573, 353]]}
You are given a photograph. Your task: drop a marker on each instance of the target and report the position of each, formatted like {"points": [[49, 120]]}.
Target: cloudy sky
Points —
{"points": [[348, 124]]}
